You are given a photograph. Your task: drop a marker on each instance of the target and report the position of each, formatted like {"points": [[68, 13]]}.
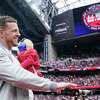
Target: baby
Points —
{"points": [[28, 57]]}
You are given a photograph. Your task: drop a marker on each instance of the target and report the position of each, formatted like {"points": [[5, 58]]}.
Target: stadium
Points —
{"points": [[66, 35]]}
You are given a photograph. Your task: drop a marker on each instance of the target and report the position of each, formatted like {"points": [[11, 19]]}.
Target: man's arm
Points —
{"points": [[16, 75]]}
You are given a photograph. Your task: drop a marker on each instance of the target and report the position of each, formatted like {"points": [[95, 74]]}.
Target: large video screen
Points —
{"points": [[86, 19], [62, 26]]}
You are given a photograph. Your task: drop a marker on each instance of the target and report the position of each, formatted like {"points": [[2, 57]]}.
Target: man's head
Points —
{"points": [[9, 31]]}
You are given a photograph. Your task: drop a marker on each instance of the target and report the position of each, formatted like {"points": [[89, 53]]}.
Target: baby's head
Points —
{"points": [[25, 44], [29, 44]]}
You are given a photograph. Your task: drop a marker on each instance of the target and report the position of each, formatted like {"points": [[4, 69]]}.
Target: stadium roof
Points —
{"points": [[64, 5]]}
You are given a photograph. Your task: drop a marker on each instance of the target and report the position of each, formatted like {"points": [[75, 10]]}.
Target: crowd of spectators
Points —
{"points": [[64, 97], [80, 80], [73, 63]]}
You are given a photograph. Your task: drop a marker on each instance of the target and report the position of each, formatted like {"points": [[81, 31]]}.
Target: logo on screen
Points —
{"points": [[91, 17]]}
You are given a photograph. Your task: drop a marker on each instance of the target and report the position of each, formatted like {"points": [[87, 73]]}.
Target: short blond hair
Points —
{"points": [[28, 43]]}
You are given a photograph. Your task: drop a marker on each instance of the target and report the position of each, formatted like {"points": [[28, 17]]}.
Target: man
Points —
{"points": [[15, 81]]}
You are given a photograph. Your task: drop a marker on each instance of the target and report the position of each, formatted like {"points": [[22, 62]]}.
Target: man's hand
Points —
{"points": [[62, 85]]}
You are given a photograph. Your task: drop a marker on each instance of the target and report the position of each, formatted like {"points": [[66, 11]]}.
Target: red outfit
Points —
{"points": [[29, 60]]}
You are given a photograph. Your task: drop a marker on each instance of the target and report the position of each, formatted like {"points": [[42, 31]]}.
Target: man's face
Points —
{"points": [[11, 34]]}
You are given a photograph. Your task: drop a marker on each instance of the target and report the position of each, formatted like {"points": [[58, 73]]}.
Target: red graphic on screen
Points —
{"points": [[91, 17]]}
